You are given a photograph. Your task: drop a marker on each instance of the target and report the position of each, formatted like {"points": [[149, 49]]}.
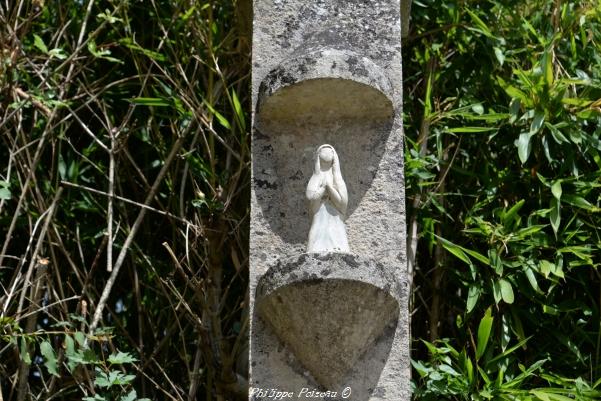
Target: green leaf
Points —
{"points": [[101, 53], [528, 231], [70, 352], [515, 93], [131, 396], [556, 189], [420, 368], [537, 122], [95, 398], [468, 367], [484, 329], [551, 396], [48, 354], [102, 380], [556, 133], [472, 297], [532, 279], [506, 291], [476, 255], [106, 16], [239, 111], [514, 109], [509, 216], [582, 252], [575, 136], [114, 377], [80, 337], [462, 252], [188, 13], [482, 27], [39, 43], [499, 55], [484, 375], [455, 250], [555, 215], [92, 48], [431, 347], [471, 130], [448, 370], [62, 167], [547, 65], [496, 291], [150, 101], [129, 43], [495, 261], [491, 117], [546, 267], [121, 358], [574, 101], [222, 120], [557, 269], [5, 193], [588, 114], [478, 108], [524, 146], [543, 180], [58, 53], [580, 202], [540, 395], [84, 357], [517, 327], [509, 351], [78, 318], [24, 351]]}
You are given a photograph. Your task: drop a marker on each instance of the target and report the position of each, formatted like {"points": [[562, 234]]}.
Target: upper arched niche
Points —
{"points": [[323, 86], [320, 95]]}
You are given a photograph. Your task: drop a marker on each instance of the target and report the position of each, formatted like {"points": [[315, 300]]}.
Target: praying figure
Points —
{"points": [[327, 196]]}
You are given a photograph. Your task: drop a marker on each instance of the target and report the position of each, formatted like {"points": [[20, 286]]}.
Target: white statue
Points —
{"points": [[327, 196]]}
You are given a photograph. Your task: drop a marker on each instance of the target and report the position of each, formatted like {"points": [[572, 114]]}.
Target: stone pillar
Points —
{"points": [[328, 72]]}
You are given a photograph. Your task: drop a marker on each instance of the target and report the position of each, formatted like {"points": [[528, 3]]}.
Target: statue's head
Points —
{"points": [[326, 155]]}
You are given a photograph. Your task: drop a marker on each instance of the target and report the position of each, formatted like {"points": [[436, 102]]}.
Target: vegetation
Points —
{"points": [[124, 197], [502, 163], [125, 175]]}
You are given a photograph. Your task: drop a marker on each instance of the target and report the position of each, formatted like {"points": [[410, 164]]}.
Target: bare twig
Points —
{"points": [[41, 267], [25, 186], [38, 247], [134, 230], [24, 95], [17, 275], [424, 133], [131, 202], [109, 213]]}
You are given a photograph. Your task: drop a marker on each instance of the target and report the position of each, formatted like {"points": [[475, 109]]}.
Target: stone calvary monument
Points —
{"points": [[328, 285]]}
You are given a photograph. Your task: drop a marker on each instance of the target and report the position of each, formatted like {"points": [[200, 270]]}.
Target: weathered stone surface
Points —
{"points": [[356, 110], [328, 71], [321, 83], [329, 309]]}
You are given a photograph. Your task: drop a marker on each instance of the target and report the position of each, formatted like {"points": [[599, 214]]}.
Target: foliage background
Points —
{"points": [[124, 192], [502, 160]]}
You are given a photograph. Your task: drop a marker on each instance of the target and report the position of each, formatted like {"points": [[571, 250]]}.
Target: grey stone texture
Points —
{"points": [[329, 309], [328, 71]]}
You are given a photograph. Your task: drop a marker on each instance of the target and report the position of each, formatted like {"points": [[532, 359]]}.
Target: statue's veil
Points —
{"points": [[313, 193]]}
